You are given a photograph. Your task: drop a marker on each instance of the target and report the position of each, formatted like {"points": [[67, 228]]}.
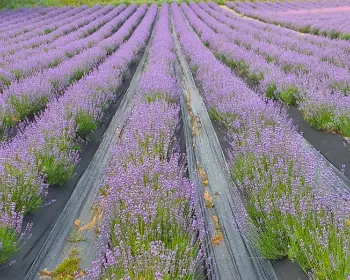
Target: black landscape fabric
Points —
{"points": [[333, 147]]}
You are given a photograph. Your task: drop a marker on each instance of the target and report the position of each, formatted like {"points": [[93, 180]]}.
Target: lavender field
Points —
{"points": [[320, 18], [167, 142]]}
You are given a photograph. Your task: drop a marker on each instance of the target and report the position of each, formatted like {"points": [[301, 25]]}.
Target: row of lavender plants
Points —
{"points": [[45, 152], [294, 205], [99, 25], [315, 84], [323, 18], [149, 228], [30, 95]]}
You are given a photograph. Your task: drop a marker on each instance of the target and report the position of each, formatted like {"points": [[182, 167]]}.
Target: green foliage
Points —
{"points": [[85, 124], [223, 118], [4, 80], [21, 182], [17, 74], [65, 270], [305, 29], [271, 91], [333, 34], [24, 185], [150, 98], [54, 159], [70, 264], [315, 31], [54, 63], [57, 172], [9, 245], [48, 30], [269, 58], [256, 77], [271, 237], [239, 65], [321, 118], [25, 108], [214, 115], [345, 36], [69, 55], [343, 125], [77, 75], [289, 95], [328, 261]]}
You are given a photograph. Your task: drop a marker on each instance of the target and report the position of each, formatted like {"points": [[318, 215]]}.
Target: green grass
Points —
{"points": [[85, 124], [9, 238], [322, 118], [65, 270]]}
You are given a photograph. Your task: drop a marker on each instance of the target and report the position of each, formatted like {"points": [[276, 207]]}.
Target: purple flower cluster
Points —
{"points": [[324, 18], [45, 151], [294, 71], [149, 228], [295, 205]]}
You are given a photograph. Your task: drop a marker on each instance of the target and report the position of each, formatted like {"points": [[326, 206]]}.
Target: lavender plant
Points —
{"points": [[10, 230]]}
